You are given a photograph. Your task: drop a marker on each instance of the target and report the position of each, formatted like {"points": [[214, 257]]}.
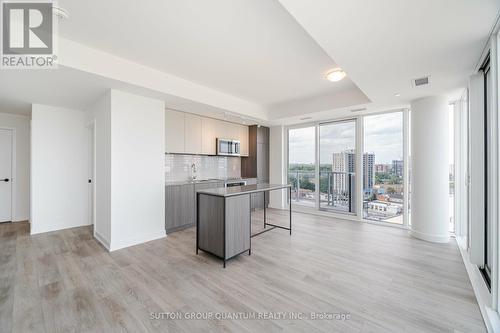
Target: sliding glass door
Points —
{"points": [[302, 165], [383, 168], [337, 166], [354, 166]]}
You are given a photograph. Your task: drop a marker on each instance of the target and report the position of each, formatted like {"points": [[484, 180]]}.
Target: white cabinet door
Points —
{"points": [[174, 131], [193, 134], [5, 175], [243, 137], [208, 130]]}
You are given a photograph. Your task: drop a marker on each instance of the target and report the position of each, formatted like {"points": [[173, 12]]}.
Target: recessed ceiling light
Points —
{"points": [[61, 13], [397, 94], [335, 75]]}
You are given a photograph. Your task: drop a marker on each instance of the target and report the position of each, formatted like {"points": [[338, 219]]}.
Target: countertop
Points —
{"points": [[240, 190], [200, 181]]}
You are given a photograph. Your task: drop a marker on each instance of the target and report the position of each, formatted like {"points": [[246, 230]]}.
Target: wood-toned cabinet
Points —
{"points": [[256, 165], [204, 186], [179, 207], [186, 133], [180, 204]]}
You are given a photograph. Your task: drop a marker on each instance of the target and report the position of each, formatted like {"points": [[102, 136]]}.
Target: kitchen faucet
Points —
{"points": [[193, 171]]}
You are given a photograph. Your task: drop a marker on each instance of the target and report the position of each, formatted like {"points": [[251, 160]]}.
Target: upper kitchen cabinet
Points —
{"points": [[174, 131], [243, 137], [187, 133], [209, 136], [193, 134]]}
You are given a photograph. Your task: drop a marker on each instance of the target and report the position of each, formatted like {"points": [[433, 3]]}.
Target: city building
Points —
{"points": [[383, 168], [344, 165], [397, 168]]}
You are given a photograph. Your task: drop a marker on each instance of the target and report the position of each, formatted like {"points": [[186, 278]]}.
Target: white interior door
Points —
{"points": [[5, 175], [91, 173]]}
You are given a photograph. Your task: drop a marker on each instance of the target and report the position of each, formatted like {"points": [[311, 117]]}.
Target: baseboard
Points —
{"points": [[123, 243], [101, 239], [21, 219], [180, 228], [491, 318], [430, 237], [277, 207], [34, 231]]}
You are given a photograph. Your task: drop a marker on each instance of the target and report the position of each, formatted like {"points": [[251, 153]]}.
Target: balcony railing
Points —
{"points": [[336, 189]]}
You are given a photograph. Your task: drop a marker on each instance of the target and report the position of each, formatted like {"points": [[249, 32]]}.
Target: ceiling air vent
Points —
{"points": [[422, 81]]}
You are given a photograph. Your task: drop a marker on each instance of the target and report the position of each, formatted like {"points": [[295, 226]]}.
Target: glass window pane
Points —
{"points": [[337, 171], [302, 165], [383, 192]]}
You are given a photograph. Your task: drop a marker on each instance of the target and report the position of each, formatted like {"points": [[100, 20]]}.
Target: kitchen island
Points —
{"points": [[223, 223]]}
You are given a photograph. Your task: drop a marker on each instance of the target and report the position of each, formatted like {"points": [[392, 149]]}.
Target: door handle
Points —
{"points": [[6, 180]]}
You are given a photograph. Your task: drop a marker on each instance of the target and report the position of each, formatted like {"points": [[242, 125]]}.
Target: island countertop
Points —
{"points": [[240, 190]]}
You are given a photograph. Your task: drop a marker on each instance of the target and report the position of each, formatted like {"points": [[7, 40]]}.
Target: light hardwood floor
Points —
{"points": [[386, 281]]}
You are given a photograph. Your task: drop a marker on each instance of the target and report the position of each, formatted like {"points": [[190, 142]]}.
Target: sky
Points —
{"points": [[383, 136]]}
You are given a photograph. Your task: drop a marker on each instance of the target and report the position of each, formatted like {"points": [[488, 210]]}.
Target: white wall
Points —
{"points": [[430, 168], [58, 169], [21, 173], [277, 165], [137, 169], [100, 115]]}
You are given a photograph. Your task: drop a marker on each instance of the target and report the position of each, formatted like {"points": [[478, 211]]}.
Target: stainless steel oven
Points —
{"points": [[228, 147]]}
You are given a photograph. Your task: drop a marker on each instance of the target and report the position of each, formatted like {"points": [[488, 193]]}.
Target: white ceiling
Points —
{"points": [[76, 89], [251, 49], [382, 45], [271, 53]]}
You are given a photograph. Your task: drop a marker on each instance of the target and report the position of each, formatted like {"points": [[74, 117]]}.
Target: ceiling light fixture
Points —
{"points": [[335, 75], [61, 13], [397, 94]]}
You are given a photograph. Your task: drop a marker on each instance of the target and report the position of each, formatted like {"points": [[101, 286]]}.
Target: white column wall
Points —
{"points": [[430, 169], [58, 169], [137, 169], [129, 169], [277, 166]]}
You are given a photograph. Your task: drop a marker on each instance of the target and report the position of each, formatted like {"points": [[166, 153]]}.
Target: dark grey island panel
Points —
{"points": [[223, 225]]}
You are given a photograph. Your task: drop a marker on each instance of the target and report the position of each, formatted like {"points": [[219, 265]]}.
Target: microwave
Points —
{"points": [[227, 147]]}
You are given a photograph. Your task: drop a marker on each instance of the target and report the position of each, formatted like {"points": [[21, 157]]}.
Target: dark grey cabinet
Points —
{"points": [[204, 186], [256, 165], [180, 204], [179, 207]]}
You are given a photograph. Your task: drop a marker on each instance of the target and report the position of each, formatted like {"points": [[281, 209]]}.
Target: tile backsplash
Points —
{"points": [[178, 167]]}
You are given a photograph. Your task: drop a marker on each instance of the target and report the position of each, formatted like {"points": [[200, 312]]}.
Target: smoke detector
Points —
{"points": [[421, 81]]}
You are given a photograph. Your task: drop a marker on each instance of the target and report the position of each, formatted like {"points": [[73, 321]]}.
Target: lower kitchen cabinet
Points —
{"points": [[180, 204], [179, 207]]}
